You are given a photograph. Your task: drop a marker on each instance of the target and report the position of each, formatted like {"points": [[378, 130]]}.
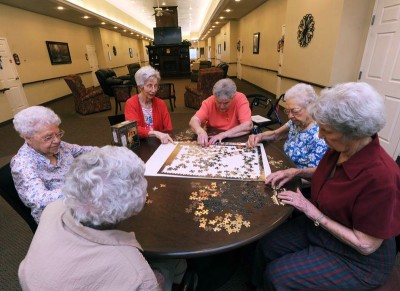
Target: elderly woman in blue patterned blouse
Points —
{"points": [[302, 145], [39, 167]]}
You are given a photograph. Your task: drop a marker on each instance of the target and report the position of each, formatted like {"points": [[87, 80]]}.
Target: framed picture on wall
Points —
{"points": [[256, 43], [58, 52], [130, 53]]}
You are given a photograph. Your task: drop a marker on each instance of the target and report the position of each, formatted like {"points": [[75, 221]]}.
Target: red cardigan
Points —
{"points": [[161, 118]]}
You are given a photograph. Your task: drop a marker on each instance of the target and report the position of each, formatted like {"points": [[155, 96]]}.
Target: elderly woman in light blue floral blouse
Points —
{"points": [[302, 145], [39, 167]]}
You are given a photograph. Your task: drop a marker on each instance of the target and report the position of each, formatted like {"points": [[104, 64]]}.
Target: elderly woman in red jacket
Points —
{"points": [[150, 112]]}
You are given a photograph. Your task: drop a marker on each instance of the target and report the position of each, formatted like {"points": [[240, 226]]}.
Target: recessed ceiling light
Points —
{"points": [[237, 0], [216, 22], [131, 32], [60, 8], [86, 17], [103, 23], [213, 26], [115, 27], [228, 10], [221, 17], [124, 30]]}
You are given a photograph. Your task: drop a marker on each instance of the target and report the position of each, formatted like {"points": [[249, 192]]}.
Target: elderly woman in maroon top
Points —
{"points": [[345, 240]]}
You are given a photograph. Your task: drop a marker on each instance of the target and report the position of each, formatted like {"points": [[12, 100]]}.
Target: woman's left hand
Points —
{"points": [[296, 199], [216, 138]]}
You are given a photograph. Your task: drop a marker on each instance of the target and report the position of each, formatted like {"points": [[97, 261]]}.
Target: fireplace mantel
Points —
{"points": [[170, 60]]}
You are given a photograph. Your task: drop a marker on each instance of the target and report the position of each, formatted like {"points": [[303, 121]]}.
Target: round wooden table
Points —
{"points": [[172, 226]]}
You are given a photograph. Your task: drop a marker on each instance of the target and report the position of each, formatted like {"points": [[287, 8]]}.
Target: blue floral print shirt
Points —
{"points": [[304, 148], [37, 181]]}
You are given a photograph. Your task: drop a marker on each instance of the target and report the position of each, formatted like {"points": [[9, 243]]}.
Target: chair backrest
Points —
{"points": [[106, 74], [224, 67], [207, 79], [166, 90], [115, 119], [123, 92], [133, 68], [74, 82], [205, 64], [10, 194]]}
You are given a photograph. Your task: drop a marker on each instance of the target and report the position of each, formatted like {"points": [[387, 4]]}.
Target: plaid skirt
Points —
{"points": [[299, 256]]}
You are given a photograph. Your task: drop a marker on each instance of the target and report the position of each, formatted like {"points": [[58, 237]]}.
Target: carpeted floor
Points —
{"points": [[94, 129]]}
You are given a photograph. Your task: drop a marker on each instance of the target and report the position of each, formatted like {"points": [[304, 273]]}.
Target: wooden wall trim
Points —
{"points": [[55, 78]]}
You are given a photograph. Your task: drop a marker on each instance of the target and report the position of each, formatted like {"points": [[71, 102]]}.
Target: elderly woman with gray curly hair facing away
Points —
{"points": [[346, 239], [76, 246], [226, 110], [39, 167], [150, 112], [302, 145]]}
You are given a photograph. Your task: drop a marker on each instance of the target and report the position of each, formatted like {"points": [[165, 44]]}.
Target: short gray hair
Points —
{"points": [[29, 121], [302, 94], [354, 109], [105, 186], [145, 73], [224, 89]]}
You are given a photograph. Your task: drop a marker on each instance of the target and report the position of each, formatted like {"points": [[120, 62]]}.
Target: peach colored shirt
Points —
{"points": [[237, 113]]}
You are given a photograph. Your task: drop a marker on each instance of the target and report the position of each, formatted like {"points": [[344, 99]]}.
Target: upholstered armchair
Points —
{"points": [[133, 68], [87, 100], [107, 78], [224, 67], [196, 67], [207, 78]]}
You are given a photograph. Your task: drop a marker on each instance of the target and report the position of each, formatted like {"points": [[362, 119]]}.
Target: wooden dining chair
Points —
{"points": [[122, 93], [167, 91]]}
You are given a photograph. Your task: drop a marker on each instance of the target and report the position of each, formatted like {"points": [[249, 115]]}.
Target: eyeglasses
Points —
{"points": [[51, 137], [294, 111], [148, 87]]}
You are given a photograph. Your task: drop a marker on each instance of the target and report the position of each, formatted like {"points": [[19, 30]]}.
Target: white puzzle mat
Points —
{"points": [[225, 161]]}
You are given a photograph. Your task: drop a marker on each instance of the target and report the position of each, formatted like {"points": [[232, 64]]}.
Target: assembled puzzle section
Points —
{"points": [[125, 134], [234, 161]]}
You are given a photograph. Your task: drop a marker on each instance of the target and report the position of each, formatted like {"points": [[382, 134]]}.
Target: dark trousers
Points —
{"points": [[299, 256]]}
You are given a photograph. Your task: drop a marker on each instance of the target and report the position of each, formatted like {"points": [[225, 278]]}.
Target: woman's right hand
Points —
{"points": [[253, 140], [202, 138], [281, 177], [163, 137]]}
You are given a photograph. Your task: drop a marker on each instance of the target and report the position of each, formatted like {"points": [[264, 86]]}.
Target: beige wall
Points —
{"points": [[260, 69], [27, 34]]}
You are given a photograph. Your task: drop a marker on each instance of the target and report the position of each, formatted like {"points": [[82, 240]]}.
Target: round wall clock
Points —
{"points": [[306, 30]]}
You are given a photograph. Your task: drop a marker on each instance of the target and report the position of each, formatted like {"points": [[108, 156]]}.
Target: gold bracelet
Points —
{"points": [[316, 222]]}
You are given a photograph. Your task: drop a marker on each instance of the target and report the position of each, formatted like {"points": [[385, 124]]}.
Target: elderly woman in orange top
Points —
{"points": [[225, 110], [150, 112]]}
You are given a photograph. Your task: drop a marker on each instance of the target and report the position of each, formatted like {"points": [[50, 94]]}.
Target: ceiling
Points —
{"points": [[196, 17]]}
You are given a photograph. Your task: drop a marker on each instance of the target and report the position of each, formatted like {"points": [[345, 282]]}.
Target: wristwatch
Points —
{"points": [[316, 222]]}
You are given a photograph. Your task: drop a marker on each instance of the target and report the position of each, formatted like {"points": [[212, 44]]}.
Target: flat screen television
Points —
{"points": [[167, 35]]}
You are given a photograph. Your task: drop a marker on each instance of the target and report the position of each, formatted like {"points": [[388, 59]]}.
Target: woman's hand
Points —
{"points": [[202, 138], [163, 137], [217, 138], [253, 140], [281, 177], [297, 200]]}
